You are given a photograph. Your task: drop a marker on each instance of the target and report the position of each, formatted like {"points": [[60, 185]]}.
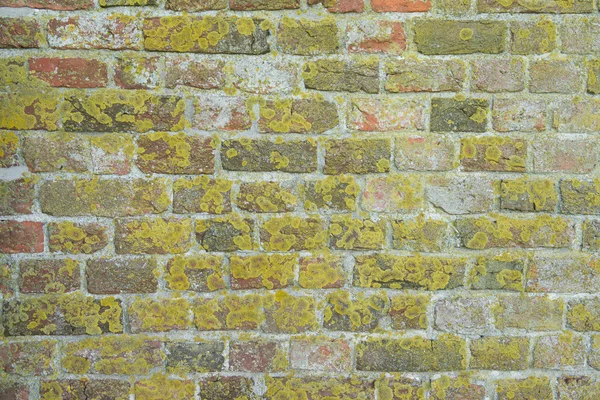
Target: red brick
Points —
{"points": [[112, 32], [576, 155], [16, 197], [341, 6], [400, 5], [32, 358], [386, 114], [69, 72], [257, 356], [376, 37], [62, 5], [498, 75], [133, 72], [201, 74], [21, 237], [14, 391], [49, 276], [315, 354], [20, 33], [221, 113], [250, 5]]}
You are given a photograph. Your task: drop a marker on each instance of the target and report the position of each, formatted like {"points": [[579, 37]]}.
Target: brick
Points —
{"points": [[67, 314], [576, 155], [499, 272], [461, 195], [542, 77], [424, 75], [264, 76], [266, 197], [285, 313], [153, 235], [521, 389], [274, 271], [228, 35], [528, 195], [580, 35], [569, 273], [66, 5], [563, 351], [195, 273], [401, 5], [577, 387], [308, 37], [519, 115], [160, 387], [124, 354], [258, 355], [119, 276], [421, 234], [498, 75], [356, 234], [319, 387], [196, 5], [16, 197], [21, 237], [72, 389], [580, 196], [223, 313], [30, 110], [500, 353], [32, 358], [314, 354], [289, 232], [115, 3], [594, 355], [112, 153], [354, 75], [334, 193], [114, 32], [113, 110], [197, 73], [255, 155], [69, 72], [341, 6], [591, 235], [493, 153], [414, 354], [9, 144], [185, 358], [357, 156], [409, 311], [221, 113], [394, 193], [583, 315], [221, 388], [506, 231], [14, 391], [56, 152], [386, 114], [49, 276], [448, 388], [593, 72], [20, 33], [376, 37], [297, 116], [460, 37], [202, 195], [360, 313], [459, 114], [179, 153], [452, 7], [396, 272], [134, 72], [252, 5], [533, 36], [424, 153], [159, 314], [7, 284], [229, 233], [544, 6], [538, 313], [104, 197], [321, 272], [464, 315], [579, 115]]}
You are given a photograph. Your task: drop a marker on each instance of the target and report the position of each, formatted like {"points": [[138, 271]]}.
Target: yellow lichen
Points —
{"points": [[321, 272], [181, 269], [160, 315], [270, 270], [291, 232], [361, 311], [351, 233]]}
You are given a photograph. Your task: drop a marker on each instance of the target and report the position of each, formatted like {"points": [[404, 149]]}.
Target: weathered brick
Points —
{"points": [[274, 271], [568, 273], [580, 35], [195, 273], [591, 235], [354, 75], [69, 72], [334, 193], [459, 114], [266, 197], [185, 358], [394, 193], [14, 391], [9, 144], [321, 272], [16, 197], [112, 32], [522, 389], [56, 152], [577, 387], [357, 156], [257, 355], [285, 313], [72, 389], [255, 155], [293, 233], [543, 76], [179, 153], [153, 235], [251, 5], [420, 234], [544, 6], [498, 75], [493, 153], [341, 6], [32, 358], [159, 315], [307, 37], [578, 115], [499, 272], [593, 72], [208, 34], [460, 37], [224, 313], [49, 276], [376, 36], [21, 237], [115, 3], [356, 234], [506, 231], [465, 315], [409, 311], [67, 314], [533, 36], [424, 75], [563, 351], [63, 5], [448, 388], [135, 72], [319, 388], [229, 233], [20, 33], [202, 195], [584, 315], [594, 354], [113, 110], [119, 276], [7, 267], [360, 313], [161, 387], [386, 114], [124, 354], [400, 5], [409, 272], [500, 353], [196, 5], [197, 73], [525, 194], [412, 354], [315, 354], [580, 196], [576, 155], [112, 153], [30, 110], [297, 116], [461, 195], [518, 115], [224, 388], [531, 312], [104, 197], [221, 113], [262, 76]]}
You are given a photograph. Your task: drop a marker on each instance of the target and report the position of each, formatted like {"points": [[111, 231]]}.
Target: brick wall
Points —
{"points": [[299, 199]]}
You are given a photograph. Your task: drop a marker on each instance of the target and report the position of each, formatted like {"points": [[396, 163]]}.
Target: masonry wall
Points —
{"points": [[275, 199]]}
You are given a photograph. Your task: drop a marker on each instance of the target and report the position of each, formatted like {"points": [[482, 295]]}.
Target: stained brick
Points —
{"points": [[221, 113], [297, 116], [307, 37], [356, 75], [500, 353], [498, 75], [401, 5], [460, 37], [311, 354], [114, 32], [21, 237], [118, 276], [195, 357], [465, 115], [20, 33], [201, 74], [16, 197], [49, 276], [259, 355], [357, 156], [63, 5], [153, 235], [33, 358], [376, 36], [538, 313], [69, 72], [493, 153], [568, 273], [386, 114], [545, 6], [542, 77], [533, 36], [576, 155], [519, 115], [424, 75], [135, 72], [56, 152], [229, 233]]}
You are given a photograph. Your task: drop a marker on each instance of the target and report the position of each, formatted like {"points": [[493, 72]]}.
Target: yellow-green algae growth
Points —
{"points": [[411, 308], [181, 268], [538, 192], [213, 195], [161, 314], [73, 239], [361, 311], [290, 232], [352, 233], [229, 312], [159, 386], [321, 271], [269, 270]]}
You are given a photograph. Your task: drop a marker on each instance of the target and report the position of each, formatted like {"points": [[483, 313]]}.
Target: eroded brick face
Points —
{"points": [[299, 199]]}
